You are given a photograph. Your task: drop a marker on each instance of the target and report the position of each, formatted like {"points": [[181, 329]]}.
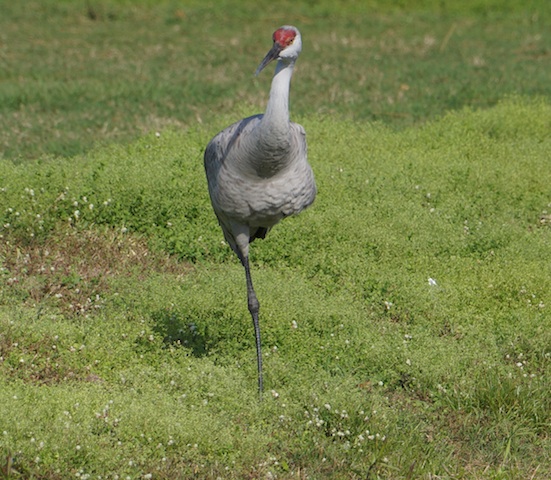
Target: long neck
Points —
{"points": [[274, 127], [270, 146]]}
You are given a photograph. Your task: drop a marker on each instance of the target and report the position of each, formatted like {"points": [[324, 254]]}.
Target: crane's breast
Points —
{"points": [[241, 193], [263, 202]]}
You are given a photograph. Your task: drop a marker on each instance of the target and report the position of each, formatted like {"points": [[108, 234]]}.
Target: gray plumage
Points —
{"points": [[257, 169]]}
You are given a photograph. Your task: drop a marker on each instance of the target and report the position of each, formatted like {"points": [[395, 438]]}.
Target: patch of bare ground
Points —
{"points": [[40, 361], [71, 269]]}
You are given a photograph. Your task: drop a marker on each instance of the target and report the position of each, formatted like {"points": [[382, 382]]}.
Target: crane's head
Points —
{"points": [[287, 46]]}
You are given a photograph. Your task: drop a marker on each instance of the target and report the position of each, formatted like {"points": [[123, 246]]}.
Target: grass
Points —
{"points": [[405, 316], [371, 369], [78, 73]]}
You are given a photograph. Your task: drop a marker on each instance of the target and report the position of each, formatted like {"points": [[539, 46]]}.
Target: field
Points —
{"points": [[405, 316]]}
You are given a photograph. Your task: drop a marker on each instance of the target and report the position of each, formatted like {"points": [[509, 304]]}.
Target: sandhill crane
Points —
{"points": [[257, 169]]}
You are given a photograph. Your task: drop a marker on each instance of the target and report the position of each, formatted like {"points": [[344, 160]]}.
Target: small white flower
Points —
{"points": [[432, 282]]}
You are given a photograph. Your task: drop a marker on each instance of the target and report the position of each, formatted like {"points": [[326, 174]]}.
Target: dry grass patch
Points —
{"points": [[40, 361], [71, 269]]}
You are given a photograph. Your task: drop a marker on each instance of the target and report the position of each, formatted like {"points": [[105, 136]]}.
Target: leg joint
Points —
{"points": [[254, 305]]}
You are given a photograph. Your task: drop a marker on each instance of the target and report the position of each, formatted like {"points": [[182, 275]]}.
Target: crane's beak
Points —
{"points": [[271, 55]]}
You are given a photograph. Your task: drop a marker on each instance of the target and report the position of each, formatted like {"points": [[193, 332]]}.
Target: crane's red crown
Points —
{"points": [[284, 36]]}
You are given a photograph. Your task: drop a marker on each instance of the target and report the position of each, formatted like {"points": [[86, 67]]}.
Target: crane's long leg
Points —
{"points": [[239, 239], [254, 307]]}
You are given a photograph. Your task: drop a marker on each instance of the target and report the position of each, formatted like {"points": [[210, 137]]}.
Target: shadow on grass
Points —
{"points": [[176, 329]]}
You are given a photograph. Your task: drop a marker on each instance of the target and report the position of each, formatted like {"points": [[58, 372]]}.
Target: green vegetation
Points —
{"points": [[74, 74], [405, 316]]}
